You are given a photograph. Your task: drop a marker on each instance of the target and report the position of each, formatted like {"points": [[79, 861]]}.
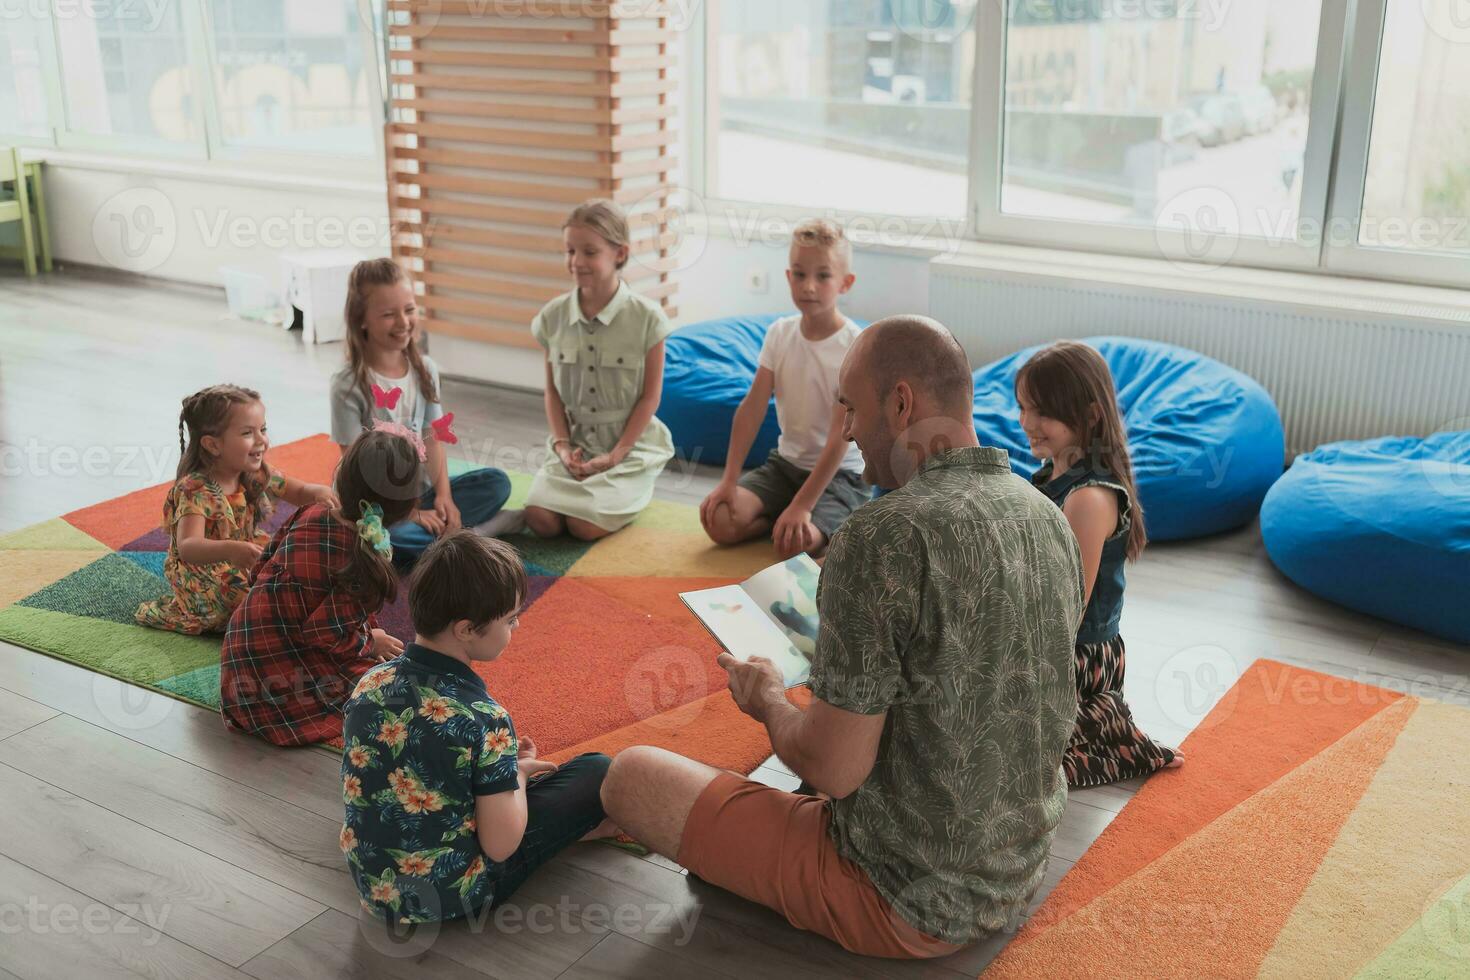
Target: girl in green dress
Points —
{"points": [[604, 377]]}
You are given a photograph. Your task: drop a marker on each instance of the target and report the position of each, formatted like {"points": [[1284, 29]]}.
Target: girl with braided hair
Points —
{"points": [[214, 512]]}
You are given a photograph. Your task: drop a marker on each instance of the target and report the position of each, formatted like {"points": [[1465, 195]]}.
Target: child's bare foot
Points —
{"points": [[1178, 761], [605, 829]]}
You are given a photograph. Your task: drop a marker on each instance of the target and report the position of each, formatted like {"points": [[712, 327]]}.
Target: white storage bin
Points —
{"points": [[251, 296]]}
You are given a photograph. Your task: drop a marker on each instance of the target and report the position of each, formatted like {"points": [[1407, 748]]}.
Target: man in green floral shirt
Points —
{"points": [[943, 694]]}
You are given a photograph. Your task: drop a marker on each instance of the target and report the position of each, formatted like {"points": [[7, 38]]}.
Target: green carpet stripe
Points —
{"points": [[109, 588], [53, 535], [1438, 945], [199, 687], [552, 555], [131, 653]]}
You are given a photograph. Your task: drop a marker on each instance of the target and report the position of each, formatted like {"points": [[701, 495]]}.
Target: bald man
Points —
{"points": [[942, 691]]}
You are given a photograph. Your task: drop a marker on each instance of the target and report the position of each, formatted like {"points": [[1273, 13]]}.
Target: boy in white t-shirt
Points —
{"points": [[810, 484]]}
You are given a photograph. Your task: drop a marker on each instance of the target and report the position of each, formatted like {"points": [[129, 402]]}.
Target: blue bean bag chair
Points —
{"points": [[708, 369], [1205, 439], [1381, 526]]}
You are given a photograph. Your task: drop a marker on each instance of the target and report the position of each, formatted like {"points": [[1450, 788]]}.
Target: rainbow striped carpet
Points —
{"points": [[1321, 828], [606, 655]]}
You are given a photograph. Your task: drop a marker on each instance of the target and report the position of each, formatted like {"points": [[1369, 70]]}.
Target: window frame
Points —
{"points": [[1361, 90], [1345, 74], [209, 148], [990, 223], [918, 230]]}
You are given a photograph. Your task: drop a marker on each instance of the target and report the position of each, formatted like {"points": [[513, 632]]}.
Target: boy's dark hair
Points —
{"points": [[465, 576]]}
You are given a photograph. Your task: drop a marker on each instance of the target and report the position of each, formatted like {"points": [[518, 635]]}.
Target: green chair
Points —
{"points": [[18, 208]]}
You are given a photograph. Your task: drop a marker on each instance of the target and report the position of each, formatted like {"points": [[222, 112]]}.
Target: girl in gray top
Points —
{"points": [[388, 381]]}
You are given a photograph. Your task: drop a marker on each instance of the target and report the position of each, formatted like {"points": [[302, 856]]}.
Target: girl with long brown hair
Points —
{"points": [[214, 511], [1069, 412], [307, 630], [389, 379]]}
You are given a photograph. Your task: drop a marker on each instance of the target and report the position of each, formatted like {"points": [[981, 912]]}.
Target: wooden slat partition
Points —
{"points": [[501, 119]]}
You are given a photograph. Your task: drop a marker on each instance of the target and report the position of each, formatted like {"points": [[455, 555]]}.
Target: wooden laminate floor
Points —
{"points": [[138, 838]]}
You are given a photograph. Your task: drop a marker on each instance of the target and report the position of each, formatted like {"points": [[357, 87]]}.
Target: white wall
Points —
{"points": [[173, 222]]}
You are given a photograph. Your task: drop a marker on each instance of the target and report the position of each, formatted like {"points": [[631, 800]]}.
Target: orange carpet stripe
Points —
{"points": [[657, 598], [583, 663], [1213, 905], [1286, 714], [120, 520], [711, 729]]}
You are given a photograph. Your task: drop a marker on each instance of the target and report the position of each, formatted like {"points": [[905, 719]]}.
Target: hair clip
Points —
{"points": [[399, 429], [371, 530]]}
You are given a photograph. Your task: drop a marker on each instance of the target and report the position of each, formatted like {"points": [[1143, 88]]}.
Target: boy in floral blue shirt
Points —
{"points": [[447, 810]]}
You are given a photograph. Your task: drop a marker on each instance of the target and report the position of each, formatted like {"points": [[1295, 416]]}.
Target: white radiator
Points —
{"points": [[1333, 375]]}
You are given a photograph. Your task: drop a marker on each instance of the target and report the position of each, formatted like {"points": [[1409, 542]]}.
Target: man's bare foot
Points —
{"points": [[605, 829]]}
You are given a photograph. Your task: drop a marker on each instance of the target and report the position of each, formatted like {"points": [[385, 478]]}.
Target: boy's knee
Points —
{"points": [[722, 532], [728, 530]]}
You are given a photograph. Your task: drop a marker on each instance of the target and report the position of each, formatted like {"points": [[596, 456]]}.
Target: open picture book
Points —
{"points": [[772, 614]]}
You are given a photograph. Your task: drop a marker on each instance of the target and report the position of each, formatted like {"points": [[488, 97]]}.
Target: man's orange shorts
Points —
{"points": [[773, 848]]}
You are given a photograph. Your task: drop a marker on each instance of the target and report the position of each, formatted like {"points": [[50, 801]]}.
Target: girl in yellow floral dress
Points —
{"points": [[214, 511]]}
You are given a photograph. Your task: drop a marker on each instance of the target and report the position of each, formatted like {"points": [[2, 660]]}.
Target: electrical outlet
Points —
{"points": [[757, 281]]}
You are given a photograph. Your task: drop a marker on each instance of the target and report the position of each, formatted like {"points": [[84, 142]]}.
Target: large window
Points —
{"points": [[125, 72], [290, 75], [288, 85], [855, 106], [1416, 194], [1313, 135], [1122, 113], [23, 108]]}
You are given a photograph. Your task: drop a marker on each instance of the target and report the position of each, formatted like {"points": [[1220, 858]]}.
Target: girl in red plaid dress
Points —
{"points": [[306, 632]]}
